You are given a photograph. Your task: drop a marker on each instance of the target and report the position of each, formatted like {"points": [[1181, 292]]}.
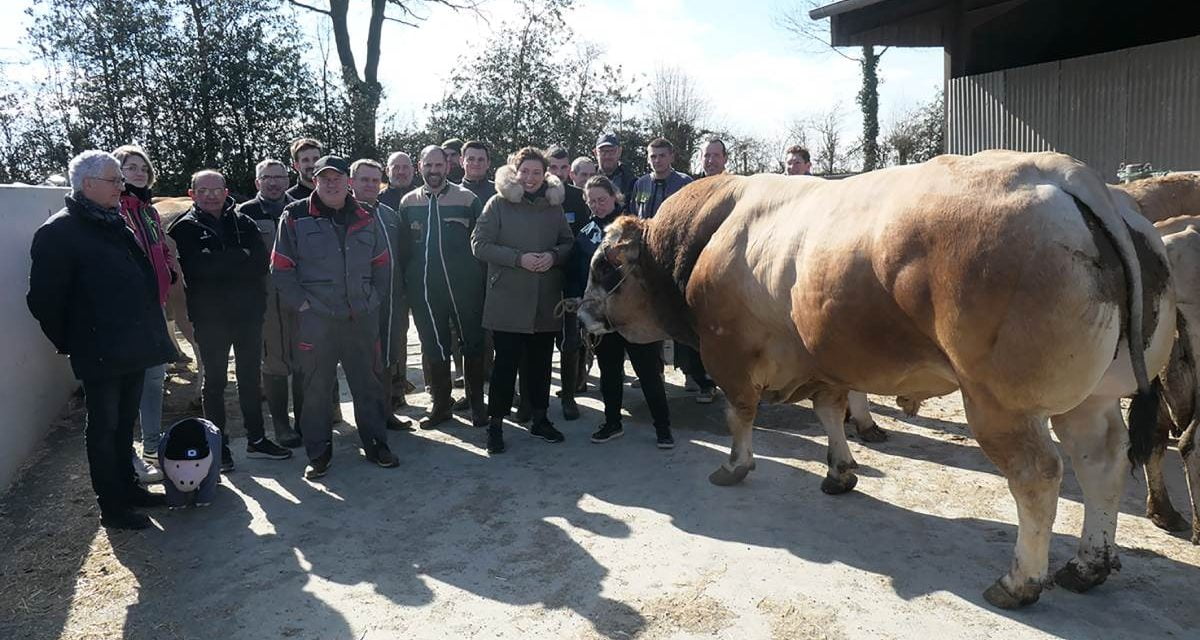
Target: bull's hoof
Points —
{"points": [[1074, 577], [999, 596], [872, 434], [726, 476], [834, 486], [1168, 520]]}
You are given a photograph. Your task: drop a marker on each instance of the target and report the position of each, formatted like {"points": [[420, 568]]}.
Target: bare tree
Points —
{"points": [[830, 151], [796, 21], [364, 90], [677, 108]]}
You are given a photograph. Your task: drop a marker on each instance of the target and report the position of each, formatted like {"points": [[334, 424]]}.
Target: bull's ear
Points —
{"points": [[625, 236], [628, 249]]}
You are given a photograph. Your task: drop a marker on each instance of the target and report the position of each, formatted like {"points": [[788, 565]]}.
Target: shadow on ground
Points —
{"points": [[375, 549]]}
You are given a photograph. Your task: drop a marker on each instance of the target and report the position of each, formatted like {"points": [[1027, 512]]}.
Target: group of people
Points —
{"points": [[299, 280]]}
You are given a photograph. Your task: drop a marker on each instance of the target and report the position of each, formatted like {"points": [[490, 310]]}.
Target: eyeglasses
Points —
{"points": [[119, 181], [210, 191]]}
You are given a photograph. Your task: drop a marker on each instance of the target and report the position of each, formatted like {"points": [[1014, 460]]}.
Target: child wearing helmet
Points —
{"points": [[186, 458]]}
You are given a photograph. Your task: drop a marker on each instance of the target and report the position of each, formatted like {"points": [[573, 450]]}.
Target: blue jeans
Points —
{"points": [[151, 406]]}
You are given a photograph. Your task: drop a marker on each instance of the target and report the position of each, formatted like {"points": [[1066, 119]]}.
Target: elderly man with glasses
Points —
{"points": [[95, 294], [224, 263]]}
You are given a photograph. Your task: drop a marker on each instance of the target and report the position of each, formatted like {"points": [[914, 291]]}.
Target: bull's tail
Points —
{"points": [[1094, 200], [1143, 423]]}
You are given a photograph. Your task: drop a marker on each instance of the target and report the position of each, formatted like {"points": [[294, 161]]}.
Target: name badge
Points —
{"points": [[570, 217]]}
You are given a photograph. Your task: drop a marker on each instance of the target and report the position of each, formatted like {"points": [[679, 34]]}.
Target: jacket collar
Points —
{"points": [[351, 205], [510, 189], [92, 212]]}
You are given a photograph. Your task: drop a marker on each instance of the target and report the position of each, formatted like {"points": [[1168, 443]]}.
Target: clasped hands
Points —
{"points": [[537, 262]]}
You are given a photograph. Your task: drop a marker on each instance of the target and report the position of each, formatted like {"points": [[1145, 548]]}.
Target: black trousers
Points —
{"points": [[688, 361], [112, 409], [532, 353], [354, 342], [610, 354], [215, 336]]}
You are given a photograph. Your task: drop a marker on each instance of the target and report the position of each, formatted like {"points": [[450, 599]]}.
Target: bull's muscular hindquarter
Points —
{"points": [[1008, 275]]}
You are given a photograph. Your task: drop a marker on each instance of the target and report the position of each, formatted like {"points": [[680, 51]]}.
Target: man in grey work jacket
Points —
{"points": [[332, 264]]}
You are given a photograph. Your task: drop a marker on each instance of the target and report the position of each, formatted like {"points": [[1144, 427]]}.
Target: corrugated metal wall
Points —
{"points": [[1134, 105]]}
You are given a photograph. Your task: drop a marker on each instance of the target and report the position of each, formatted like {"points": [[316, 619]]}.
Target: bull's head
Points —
{"points": [[618, 296]]}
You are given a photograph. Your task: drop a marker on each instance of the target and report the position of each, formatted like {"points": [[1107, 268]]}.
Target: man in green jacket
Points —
{"points": [[444, 282]]}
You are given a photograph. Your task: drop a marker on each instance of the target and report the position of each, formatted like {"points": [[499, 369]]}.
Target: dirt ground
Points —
{"points": [[577, 540]]}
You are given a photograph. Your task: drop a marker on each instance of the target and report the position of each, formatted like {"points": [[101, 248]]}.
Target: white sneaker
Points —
{"points": [[146, 472]]}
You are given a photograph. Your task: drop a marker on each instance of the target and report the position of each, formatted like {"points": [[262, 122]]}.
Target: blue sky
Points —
{"points": [[757, 78]]}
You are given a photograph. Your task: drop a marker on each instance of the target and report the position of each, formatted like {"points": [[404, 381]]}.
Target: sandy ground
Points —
{"points": [[578, 540]]}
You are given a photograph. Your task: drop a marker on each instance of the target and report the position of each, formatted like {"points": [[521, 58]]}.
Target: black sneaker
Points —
{"points": [[264, 448], [382, 456], [608, 432], [495, 441], [547, 432], [398, 424], [145, 499], [665, 441], [128, 519], [226, 459], [319, 466]]}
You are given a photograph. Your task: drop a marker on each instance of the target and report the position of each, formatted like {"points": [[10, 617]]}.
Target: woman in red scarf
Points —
{"points": [[146, 226]]}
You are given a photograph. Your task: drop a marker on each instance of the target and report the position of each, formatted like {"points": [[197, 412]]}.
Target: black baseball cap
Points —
{"points": [[336, 163], [188, 441], [607, 139]]}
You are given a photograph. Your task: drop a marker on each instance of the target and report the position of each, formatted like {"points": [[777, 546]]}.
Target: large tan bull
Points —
{"points": [[1016, 277], [169, 210]]}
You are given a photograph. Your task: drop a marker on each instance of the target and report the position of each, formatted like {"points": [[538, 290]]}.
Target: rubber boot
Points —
{"points": [[474, 369], [439, 389], [495, 440], [568, 371], [276, 390]]}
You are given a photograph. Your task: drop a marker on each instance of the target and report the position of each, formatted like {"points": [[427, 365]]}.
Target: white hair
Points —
{"points": [[89, 164], [579, 163], [396, 155], [269, 162]]}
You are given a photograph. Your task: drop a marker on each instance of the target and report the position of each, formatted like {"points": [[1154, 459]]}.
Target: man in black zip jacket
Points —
{"points": [[94, 292], [224, 263]]}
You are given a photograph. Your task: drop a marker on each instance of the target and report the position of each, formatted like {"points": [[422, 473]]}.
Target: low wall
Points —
{"points": [[35, 381]]}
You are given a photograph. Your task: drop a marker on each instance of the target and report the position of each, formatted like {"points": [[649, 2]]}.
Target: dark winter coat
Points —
{"points": [[95, 293], [518, 300], [224, 261]]}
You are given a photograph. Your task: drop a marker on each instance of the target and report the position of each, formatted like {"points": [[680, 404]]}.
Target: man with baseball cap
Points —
{"points": [[608, 154], [332, 264]]}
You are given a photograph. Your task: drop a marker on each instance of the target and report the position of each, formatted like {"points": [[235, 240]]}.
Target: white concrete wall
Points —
{"points": [[35, 381]]}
